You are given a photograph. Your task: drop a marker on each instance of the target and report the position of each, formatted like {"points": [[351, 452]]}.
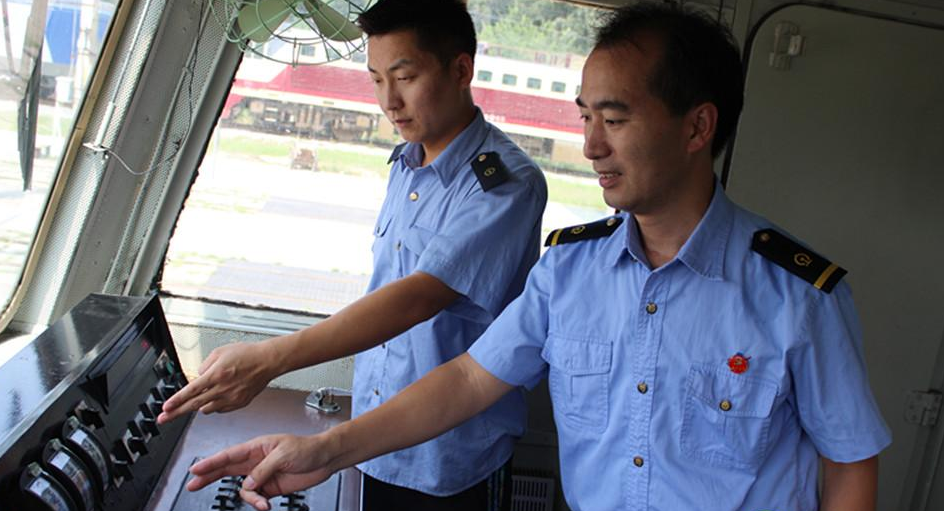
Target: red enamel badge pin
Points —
{"points": [[738, 363]]}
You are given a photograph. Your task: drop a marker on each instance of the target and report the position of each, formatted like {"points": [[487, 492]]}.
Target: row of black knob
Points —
{"points": [[143, 426]]}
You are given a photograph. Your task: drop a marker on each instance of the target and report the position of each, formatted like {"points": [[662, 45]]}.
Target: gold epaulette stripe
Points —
{"points": [[556, 236], [824, 276]]}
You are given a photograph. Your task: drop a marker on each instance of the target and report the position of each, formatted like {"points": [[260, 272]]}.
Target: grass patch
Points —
{"points": [[44, 125], [566, 191], [249, 146], [347, 162], [343, 161]]}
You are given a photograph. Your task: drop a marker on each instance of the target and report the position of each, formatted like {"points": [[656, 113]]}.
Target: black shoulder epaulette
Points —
{"points": [[490, 170], [597, 229], [396, 153], [797, 259]]}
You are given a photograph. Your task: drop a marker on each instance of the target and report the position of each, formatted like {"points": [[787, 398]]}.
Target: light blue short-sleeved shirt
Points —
{"points": [[438, 220], [650, 414]]}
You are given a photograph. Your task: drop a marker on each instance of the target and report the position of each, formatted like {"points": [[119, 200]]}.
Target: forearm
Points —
{"points": [[368, 322], [446, 397], [849, 486]]}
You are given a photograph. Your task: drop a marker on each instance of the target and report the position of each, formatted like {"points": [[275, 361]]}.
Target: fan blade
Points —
{"points": [[331, 23], [258, 21]]}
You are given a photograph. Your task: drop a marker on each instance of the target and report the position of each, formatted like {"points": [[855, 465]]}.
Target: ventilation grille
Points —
{"points": [[532, 493]]}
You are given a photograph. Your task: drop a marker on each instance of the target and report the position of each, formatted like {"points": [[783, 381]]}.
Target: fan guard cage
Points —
{"points": [[296, 41]]}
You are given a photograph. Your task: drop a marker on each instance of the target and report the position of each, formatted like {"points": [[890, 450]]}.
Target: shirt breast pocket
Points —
{"points": [[727, 417], [411, 247], [578, 378]]}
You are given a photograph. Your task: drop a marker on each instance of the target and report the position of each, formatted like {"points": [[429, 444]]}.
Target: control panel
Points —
{"points": [[79, 407]]}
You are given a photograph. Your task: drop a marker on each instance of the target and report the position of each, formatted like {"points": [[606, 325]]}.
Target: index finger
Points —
{"points": [[234, 461], [182, 401]]}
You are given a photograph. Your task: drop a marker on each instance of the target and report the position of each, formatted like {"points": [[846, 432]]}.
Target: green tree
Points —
{"points": [[546, 26]]}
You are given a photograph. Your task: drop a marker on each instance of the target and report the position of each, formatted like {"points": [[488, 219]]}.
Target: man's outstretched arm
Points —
{"points": [[233, 375], [279, 464]]}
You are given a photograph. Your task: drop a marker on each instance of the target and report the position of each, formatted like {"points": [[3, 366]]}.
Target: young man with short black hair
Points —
{"points": [[458, 231]]}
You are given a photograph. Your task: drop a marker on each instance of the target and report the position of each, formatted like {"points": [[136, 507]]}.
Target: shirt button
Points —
{"points": [[642, 387], [376, 392], [414, 196], [651, 308], [725, 405], [610, 222], [397, 246], [638, 461]]}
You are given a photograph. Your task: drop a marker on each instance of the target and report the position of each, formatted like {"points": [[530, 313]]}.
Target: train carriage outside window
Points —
{"points": [[283, 208]]}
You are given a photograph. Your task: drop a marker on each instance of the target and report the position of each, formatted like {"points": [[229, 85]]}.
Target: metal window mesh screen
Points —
{"points": [[86, 177], [199, 67]]}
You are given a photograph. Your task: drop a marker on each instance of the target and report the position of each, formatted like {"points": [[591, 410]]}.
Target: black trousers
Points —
{"points": [[492, 494]]}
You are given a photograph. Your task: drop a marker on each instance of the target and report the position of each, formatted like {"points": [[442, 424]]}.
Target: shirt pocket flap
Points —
{"points": [[577, 357], [731, 394], [382, 223]]}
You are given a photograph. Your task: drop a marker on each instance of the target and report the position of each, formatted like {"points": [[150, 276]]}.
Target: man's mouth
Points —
{"points": [[608, 178]]}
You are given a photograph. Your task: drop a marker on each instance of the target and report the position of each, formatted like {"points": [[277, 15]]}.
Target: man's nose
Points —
{"points": [[389, 98], [594, 141]]}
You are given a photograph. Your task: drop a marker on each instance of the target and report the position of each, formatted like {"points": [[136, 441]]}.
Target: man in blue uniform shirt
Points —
{"points": [[697, 358], [458, 231]]}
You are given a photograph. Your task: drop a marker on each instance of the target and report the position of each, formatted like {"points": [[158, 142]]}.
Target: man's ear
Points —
{"points": [[702, 122], [464, 68]]}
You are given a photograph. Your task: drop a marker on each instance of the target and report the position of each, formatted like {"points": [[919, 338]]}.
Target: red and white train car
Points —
{"points": [[533, 102]]}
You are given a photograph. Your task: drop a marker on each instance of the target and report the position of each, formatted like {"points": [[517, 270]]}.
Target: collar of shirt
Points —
{"points": [[456, 154], [704, 250]]}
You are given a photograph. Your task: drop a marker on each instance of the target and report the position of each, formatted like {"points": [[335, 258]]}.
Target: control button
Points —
{"points": [[136, 427], [164, 367], [89, 415], [642, 387], [651, 308], [638, 461], [131, 446], [137, 445], [166, 389], [122, 470], [123, 453], [149, 425], [155, 407], [156, 394]]}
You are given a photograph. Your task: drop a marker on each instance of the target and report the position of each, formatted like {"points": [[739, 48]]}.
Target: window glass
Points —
{"points": [[534, 83], [509, 79], [284, 205], [67, 37], [558, 87]]}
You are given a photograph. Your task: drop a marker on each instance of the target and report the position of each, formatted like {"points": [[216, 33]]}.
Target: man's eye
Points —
{"points": [[614, 122]]}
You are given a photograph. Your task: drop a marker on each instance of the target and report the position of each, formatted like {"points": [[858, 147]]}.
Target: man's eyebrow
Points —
{"points": [[401, 63], [605, 104]]}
